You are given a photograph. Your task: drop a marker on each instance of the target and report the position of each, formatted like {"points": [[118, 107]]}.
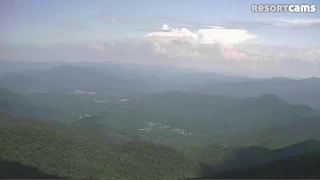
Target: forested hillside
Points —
{"points": [[199, 118], [222, 158], [297, 167], [122, 89], [279, 136], [77, 130], [165, 135], [17, 103], [168, 118], [62, 155]]}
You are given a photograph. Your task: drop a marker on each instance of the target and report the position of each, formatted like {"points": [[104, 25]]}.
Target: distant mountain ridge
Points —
{"points": [[121, 77], [302, 91], [69, 78]]}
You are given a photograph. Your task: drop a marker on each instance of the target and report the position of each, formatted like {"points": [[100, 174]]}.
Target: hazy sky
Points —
{"points": [[212, 35]]}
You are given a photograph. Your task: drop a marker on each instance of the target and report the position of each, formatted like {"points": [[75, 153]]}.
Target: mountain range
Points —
{"points": [[116, 77]]}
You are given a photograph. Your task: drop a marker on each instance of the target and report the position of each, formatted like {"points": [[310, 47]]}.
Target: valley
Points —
{"points": [[159, 90], [209, 134]]}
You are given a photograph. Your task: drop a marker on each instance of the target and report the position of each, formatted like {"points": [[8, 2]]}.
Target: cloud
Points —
{"points": [[184, 43], [228, 36], [278, 53], [229, 52], [165, 27], [216, 27], [207, 35], [172, 33], [184, 48]]}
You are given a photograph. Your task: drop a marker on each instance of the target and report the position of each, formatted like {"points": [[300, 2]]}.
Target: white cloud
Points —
{"points": [[165, 27], [179, 39], [216, 27], [172, 33], [207, 35], [229, 52], [184, 51], [228, 36], [158, 49]]}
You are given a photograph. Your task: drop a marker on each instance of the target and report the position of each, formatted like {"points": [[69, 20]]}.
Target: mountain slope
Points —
{"points": [[303, 91], [76, 130], [79, 157], [70, 78], [222, 114], [183, 116], [177, 117], [20, 81], [297, 167], [17, 170], [227, 158], [15, 103], [277, 137]]}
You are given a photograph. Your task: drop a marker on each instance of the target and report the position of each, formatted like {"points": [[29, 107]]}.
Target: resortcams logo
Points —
{"points": [[285, 8]]}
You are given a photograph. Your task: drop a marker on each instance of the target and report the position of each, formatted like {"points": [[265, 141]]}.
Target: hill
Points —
{"points": [[21, 81], [158, 77], [168, 118], [177, 117], [70, 78], [19, 135], [117, 77], [16, 103], [63, 155], [298, 148], [222, 158], [219, 114], [304, 91], [279, 136], [295, 167], [76, 130], [17, 170]]}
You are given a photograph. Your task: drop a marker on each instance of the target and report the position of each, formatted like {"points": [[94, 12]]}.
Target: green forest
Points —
{"points": [[67, 156], [62, 133], [159, 90]]}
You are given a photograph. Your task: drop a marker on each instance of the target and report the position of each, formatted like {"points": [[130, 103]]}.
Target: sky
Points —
{"points": [[209, 35]]}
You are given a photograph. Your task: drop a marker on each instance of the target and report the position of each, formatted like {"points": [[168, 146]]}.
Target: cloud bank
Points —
{"points": [[211, 48]]}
